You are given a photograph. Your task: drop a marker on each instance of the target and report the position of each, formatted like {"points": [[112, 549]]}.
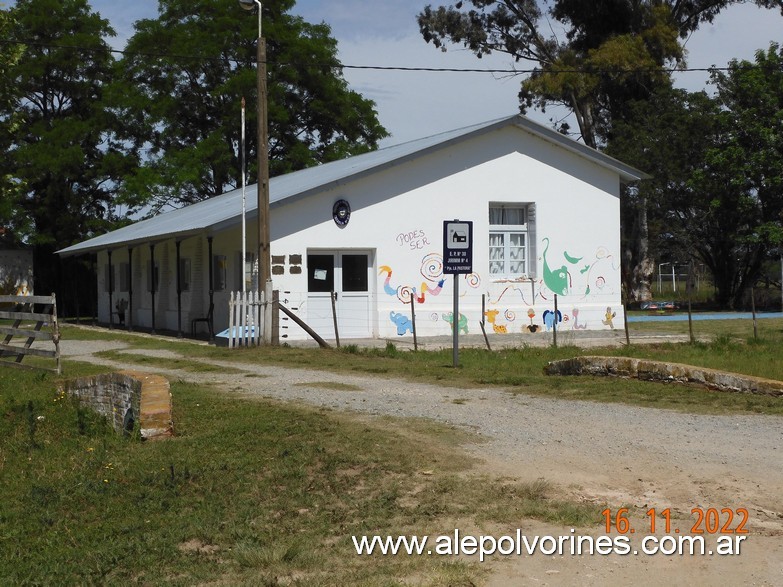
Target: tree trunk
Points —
{"points": [[643, 266], [642, 280]]}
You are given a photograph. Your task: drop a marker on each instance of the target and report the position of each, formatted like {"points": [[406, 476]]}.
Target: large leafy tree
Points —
{"points": [[9, 187], [608, 55], [717, 191], [742, 181], [188, 70], [608, 52], [59, 150], [668, 135]]}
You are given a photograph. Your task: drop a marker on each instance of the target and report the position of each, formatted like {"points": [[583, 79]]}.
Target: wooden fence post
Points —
{"points": [[413, 323], [275, 317], [483, 322], [690, 314], [258, 316], [334, 318]]}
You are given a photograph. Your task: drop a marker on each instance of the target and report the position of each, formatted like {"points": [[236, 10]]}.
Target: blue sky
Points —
{"points": [[415, 104]]}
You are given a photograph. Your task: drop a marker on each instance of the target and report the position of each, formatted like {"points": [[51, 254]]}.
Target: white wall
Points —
{"points": [[397, 218], [399, 214]]}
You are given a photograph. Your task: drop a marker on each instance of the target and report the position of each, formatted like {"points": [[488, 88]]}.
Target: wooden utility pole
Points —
{"points": [[264, 259], [264, 253]]}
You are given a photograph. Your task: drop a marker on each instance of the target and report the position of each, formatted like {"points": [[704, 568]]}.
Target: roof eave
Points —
{"points": [[76, 250]]}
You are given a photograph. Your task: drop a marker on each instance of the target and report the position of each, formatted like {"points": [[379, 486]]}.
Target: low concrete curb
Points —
{"points": [[125, 396], [647, 370], [155, 418]]}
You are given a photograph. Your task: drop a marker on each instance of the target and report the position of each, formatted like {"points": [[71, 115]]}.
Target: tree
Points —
{"points": [[615, 52], [60, 146], [9, 187], [717, 190], [742, 180], [668, 134], [183, 101]]}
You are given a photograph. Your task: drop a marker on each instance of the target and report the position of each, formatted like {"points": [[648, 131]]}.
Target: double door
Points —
{"points": [[346, 276]]}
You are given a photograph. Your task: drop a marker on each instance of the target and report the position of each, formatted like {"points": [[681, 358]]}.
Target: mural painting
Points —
{"points": [[492, 316], [413, 240], [551, 318], [556, 281], [402, 322], [462, 325], [531, 313], [587, 277], [473, 281], [609, 317], [575, 324], [431, 270], [577, 275]]}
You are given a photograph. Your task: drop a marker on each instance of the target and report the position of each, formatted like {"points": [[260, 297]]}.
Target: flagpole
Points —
{"points": [[244, 224]]}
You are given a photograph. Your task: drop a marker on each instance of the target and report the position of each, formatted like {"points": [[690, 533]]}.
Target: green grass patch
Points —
{"points": [[193, 366], [249, 492]]}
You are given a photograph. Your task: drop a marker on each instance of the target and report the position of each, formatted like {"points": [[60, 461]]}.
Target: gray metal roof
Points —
{"points": [[224, 210]]}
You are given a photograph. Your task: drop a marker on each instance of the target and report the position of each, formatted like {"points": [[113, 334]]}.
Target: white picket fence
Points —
{"points": [[245, 319]]}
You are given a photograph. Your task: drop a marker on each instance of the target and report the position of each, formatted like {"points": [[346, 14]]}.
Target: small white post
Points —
{"points": [[268, 312], [231, 321]]}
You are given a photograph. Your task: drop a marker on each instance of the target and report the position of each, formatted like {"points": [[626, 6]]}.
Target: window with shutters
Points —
{"points": [[509, 245]]}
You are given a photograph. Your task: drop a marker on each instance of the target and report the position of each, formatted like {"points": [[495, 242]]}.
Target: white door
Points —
{"points": [[347, 276]]}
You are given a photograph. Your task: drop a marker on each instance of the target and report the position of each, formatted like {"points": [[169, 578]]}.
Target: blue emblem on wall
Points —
{"points": [[341, 212]]}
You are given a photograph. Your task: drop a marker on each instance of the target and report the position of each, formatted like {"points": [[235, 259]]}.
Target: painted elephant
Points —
{"points": [[402, 322]]}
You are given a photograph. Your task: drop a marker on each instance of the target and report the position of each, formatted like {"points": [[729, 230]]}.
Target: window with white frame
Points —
{"points": [[508, 240]]}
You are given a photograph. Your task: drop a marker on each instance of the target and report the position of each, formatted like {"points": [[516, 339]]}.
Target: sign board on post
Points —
{"points": [[457, 247], [457, 260]]}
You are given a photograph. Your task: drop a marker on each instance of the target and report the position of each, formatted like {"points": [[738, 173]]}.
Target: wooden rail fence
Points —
{"points": [[29, 324]]}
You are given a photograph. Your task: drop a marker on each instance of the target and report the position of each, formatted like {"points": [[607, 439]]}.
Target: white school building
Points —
{"points": [[368, 230]]}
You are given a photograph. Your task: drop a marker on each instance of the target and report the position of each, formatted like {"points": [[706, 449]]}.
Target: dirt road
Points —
{"points": [[621, 456]]}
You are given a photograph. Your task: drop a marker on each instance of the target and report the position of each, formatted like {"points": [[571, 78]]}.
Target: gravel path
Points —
{"points": [[607, 453]]}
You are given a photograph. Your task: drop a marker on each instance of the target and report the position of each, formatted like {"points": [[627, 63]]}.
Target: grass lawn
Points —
{"points": [[253, 492], [247, 493]]}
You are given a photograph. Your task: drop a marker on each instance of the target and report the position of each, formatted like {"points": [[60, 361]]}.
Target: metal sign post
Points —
{"points": [[457, 260]]}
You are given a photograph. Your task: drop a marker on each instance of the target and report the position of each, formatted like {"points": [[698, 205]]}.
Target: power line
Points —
{"points": [[177, 56]]}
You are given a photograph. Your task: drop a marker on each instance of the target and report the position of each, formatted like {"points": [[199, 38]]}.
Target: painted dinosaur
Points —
{"points": [[557, 280], [462, 325]]}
